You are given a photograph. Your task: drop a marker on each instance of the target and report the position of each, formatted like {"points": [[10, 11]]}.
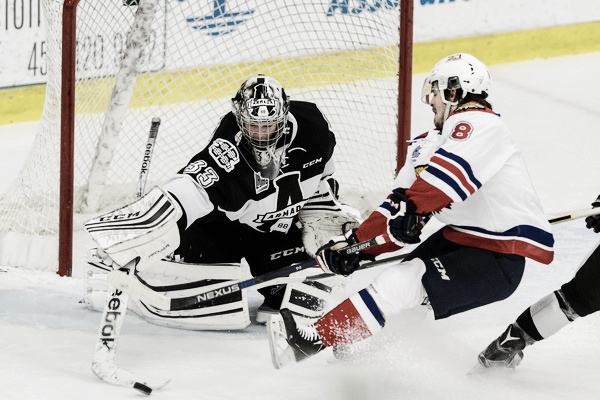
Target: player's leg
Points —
{"points": [[462, 279], [577, 298], [354, 319], [267, 252]]}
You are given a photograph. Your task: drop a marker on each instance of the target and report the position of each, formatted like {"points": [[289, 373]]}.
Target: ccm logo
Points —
{"points": [[440, 267], [287, 252], [313, 162]]}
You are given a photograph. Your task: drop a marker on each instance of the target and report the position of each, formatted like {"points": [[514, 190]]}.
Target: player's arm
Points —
{"points": [[471, 155]]}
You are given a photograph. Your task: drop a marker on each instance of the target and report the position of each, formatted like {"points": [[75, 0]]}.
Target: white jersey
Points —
{"points": [[473, 178]]}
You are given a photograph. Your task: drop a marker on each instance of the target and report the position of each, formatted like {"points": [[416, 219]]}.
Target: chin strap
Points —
{"points": [[449, 105]]}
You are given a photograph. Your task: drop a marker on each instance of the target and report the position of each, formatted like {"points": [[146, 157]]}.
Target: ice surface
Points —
{"points": [[551, 106]]}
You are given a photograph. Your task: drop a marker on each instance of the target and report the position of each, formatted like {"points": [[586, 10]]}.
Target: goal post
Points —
{"points": [[189, 59], [67, 138]]}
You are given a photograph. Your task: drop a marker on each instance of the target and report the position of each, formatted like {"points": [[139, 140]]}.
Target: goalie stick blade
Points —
{"points": [[116, 376], [281, 352]]}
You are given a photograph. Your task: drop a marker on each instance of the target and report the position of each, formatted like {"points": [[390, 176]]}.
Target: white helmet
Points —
{"points": [[261, 110], [458, 71]]}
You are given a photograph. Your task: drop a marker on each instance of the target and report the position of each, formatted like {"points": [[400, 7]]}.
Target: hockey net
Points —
{"points": [[182, 61]]}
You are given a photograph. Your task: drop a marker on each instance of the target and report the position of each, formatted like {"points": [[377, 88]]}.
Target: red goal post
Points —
{"points": [[354, 59]]}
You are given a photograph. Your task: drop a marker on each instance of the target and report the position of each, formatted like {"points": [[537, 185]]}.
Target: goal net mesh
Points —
{"points": [[184, 63]]}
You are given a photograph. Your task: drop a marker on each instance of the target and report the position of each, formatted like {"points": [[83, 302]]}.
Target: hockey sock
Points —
{"points": [[355, 319], [546, 317]]}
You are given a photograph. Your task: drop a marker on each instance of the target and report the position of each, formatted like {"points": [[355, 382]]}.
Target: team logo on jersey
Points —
{"points": [[260, 184], [289, 202], [416, 153], [204, 174], [224, 153], [288, 212], [461, 131]]}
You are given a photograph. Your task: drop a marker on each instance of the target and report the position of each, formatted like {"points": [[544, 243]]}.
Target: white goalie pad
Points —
{"points": [[324, 216], [146, 228], [176, 279], [311, 298]]}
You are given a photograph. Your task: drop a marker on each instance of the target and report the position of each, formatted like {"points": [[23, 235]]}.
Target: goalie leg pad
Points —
{"points": [[177, 279], [95, 286], [310, 299]]}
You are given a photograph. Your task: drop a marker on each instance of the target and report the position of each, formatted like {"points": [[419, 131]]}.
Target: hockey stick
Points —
{"points": [[164, 302], [137, 289], [575, 215], [113, 315]]}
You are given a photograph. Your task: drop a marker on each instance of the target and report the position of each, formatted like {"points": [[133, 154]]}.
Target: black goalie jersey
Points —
{"points": [[219, 179]]}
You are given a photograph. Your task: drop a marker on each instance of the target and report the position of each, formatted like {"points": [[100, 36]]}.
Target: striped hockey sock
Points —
{"points": [[355, 319]]}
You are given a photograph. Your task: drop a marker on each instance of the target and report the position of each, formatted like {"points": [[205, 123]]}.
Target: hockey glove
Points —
{"points": [[593, 221], [332, 261], [405, 224]]}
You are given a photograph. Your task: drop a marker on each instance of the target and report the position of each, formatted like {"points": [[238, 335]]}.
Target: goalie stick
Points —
{"points": [[113, 315]]}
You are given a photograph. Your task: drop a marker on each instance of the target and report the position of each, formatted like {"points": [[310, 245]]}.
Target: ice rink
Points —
{"points": [[551, 106]]}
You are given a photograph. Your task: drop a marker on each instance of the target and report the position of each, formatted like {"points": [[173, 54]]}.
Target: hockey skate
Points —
{"points": [[264, 313], [506, 351], [290, 342]]}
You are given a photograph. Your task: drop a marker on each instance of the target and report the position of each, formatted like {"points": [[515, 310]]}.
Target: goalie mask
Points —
{"points": [[457, 71], [261, 110]]}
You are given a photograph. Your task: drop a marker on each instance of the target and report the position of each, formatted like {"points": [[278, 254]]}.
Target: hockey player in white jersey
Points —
{"points": [[469, 175], [577, 298], [261, 190]]}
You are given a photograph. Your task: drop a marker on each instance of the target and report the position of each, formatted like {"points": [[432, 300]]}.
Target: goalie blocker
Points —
{"points": [[145, 229]]}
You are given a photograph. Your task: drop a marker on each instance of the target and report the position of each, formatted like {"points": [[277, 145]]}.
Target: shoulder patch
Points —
{"points": [[224, 153]]}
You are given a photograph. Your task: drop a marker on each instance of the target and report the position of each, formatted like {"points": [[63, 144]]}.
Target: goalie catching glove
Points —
{"points": [[405, 224], [332, 261], [145, 230], [324, 216]]}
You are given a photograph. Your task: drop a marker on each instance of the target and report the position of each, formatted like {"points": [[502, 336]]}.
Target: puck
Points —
{"points": [[142, 388]]}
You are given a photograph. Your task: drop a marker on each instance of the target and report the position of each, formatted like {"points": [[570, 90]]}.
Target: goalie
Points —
{"points": [[261, 190]]}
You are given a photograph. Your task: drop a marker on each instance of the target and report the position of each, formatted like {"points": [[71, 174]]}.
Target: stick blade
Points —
{"points": [[120, 377]]}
